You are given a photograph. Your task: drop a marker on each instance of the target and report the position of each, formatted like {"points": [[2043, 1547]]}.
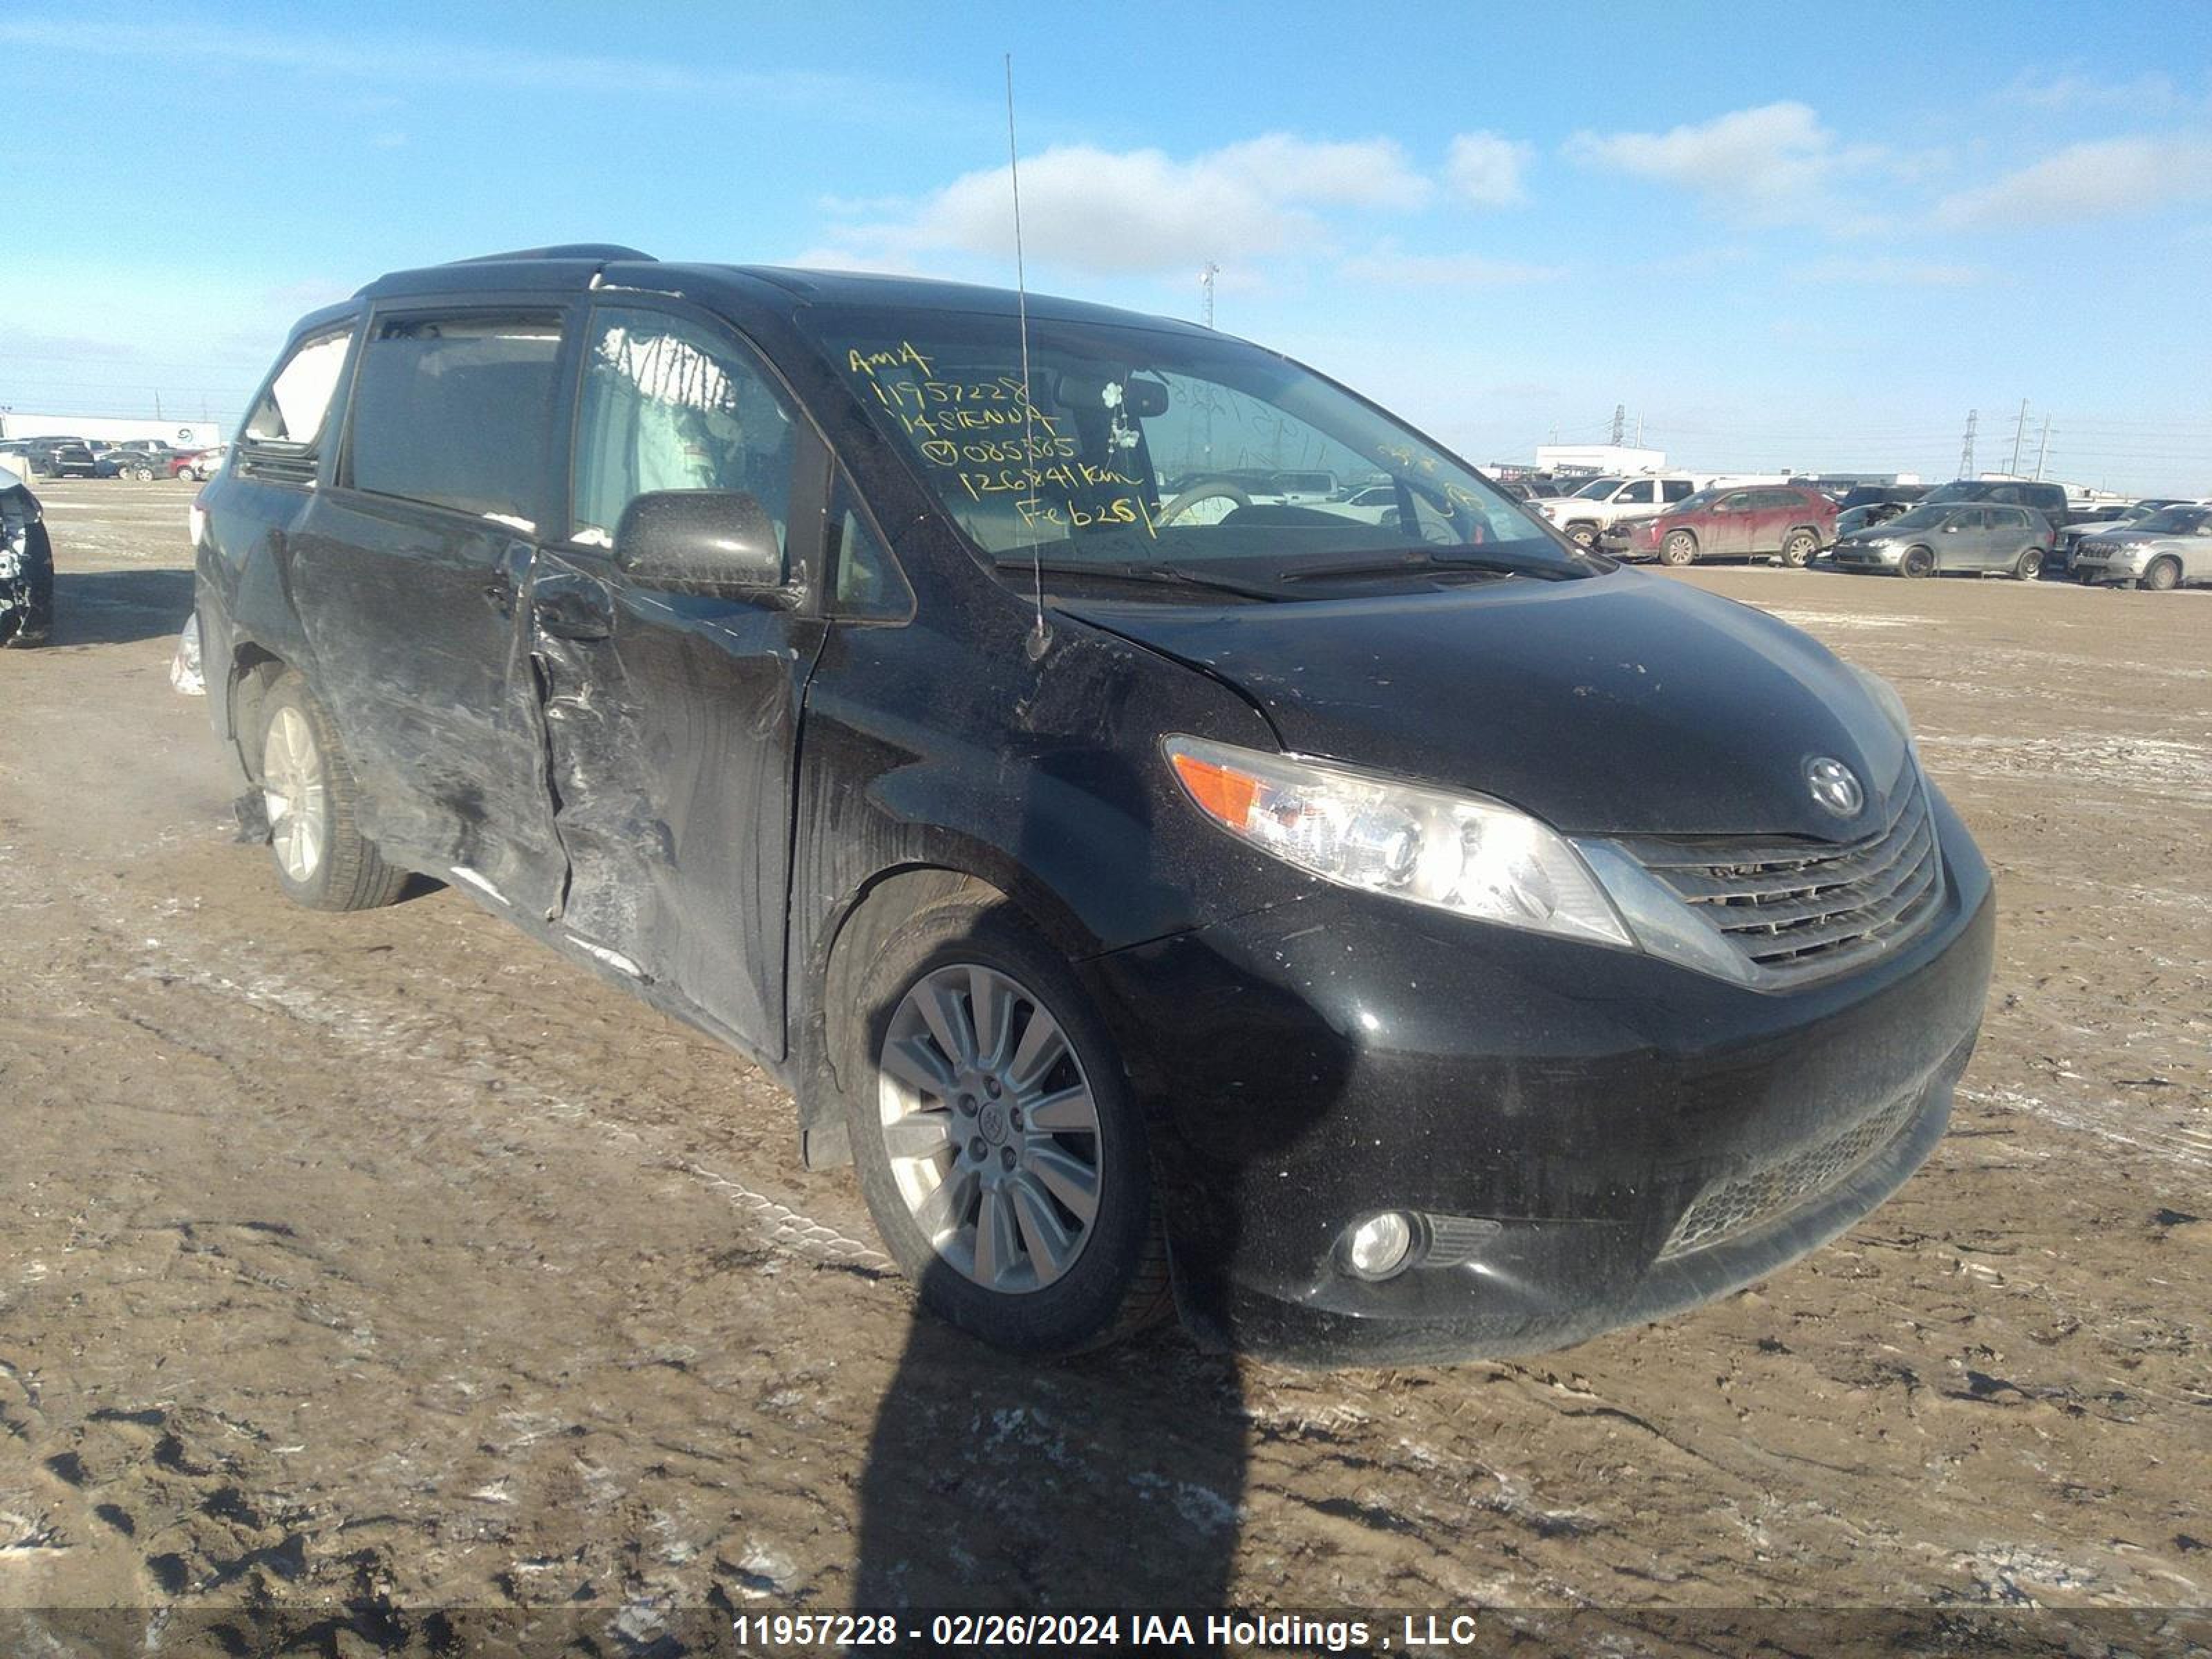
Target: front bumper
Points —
{"points": [[1845, 556], [2096, 571], [1623, 1137]]}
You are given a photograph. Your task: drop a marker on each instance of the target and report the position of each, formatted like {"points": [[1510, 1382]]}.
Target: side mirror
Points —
{"points": [[713, 542]]}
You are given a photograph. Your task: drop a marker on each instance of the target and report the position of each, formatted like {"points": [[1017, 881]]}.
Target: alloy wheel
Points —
{"points": [[295, 794], [991, 1127]]}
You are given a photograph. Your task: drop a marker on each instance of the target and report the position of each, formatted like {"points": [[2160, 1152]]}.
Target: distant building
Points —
{"points": [[179, 435], [1593, 459]]}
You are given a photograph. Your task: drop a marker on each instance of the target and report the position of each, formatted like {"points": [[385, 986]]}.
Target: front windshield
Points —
{"points": [[1163, 451], [1598, 489], [2174, 521], [1697, 500]]}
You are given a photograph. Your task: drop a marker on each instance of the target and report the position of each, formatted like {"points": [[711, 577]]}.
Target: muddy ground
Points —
{"points": [[376, 1262]]}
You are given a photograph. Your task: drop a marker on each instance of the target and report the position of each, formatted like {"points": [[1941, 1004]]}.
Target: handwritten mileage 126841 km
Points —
{"points": [[992, 442]]}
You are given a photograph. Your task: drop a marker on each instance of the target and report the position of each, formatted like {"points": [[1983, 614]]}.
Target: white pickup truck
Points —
{"points": [[1593, 508]]}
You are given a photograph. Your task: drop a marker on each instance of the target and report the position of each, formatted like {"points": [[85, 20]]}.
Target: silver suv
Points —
{"points": [[2170, 547]]}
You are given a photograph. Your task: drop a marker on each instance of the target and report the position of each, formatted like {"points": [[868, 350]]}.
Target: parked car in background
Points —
{"points": [[71, 460], [1375, 504], [53, 457], [2167, 548], [26, 565], [2119, 518], [2058, 507], [1160, 914], [1790, 521], [1878, 494], [1949, 538], [1585, 515], [1851, 519], [142, 460], [196, 464]]}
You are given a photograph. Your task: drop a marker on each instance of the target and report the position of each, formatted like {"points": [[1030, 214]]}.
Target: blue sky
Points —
{"points": [[1816, 242]]}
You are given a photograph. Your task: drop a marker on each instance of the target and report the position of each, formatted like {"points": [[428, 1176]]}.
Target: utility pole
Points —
{"points": [[2043, 448], [157, 405], [1205, 281], [1619, 422], [1966, 451], [2019, 435], [1639, 432]]}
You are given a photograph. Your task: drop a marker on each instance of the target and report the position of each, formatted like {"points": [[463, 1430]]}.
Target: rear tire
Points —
{"points": [[2163, 576], [970, 1199], [2029, 565], [1917, 562], [323, 861], [1798, 548], [1681, 548]]}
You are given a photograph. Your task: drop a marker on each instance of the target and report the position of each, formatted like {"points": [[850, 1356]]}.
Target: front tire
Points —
{"points": [[2163, 576], [1917, 562], [1583, 536], [1681, 548], [323, 861], [998, 1144], [1798, 549]]}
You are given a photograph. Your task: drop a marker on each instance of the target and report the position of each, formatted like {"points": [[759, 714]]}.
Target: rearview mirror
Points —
{"points": [[700, 541], [1146, 399]]}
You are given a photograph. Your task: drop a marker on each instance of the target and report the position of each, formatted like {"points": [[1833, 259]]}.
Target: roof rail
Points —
{"points": [[561, 251]]}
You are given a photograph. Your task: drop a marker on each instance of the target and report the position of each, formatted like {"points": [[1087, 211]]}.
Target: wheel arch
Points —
{"points": [[854, 931]]}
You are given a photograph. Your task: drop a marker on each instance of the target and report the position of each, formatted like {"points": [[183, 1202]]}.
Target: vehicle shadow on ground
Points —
{"points": [[1116, 1479], [118, 607]]}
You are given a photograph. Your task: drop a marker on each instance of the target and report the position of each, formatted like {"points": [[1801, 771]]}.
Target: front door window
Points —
{"points": [[670, 403]]}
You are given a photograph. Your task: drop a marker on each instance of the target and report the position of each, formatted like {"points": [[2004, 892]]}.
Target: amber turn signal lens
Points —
{"points": [[1223, 791]]}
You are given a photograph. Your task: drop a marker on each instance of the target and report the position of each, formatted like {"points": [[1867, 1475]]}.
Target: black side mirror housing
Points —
{"points": [[720, 542]]}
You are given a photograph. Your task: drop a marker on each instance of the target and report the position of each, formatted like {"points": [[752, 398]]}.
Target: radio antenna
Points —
{"points": [[1042, 636]]}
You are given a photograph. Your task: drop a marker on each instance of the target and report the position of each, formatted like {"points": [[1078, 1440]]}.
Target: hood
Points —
{"points": [[1617, 704]]}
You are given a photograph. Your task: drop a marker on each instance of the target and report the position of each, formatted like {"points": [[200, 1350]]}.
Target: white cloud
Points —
{"points": [[1484, 168], [1774, 165], [1890, 272], [2107, 178], [1126, 211], [2066, 92], [1392, 269]]}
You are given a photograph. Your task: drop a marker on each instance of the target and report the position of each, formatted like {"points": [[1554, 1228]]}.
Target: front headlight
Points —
{"points": [[1461, 853]]}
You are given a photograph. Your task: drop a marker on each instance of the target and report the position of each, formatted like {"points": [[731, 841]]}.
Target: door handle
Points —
{"points": [[571, 610], [500, 596]]}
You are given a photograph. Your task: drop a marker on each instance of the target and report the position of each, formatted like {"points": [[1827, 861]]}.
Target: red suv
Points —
{"points": [[1731, 522]]}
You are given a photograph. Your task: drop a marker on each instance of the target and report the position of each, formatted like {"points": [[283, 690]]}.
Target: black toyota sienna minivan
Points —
{"points": [[1187, 838]]}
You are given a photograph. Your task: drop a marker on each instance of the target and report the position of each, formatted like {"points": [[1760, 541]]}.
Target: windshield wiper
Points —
{"points": [[1137, 570], [1423, 565]]}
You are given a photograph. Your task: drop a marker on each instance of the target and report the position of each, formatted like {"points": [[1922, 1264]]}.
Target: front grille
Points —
{"points": [[1798, 909], [1748, 1201]]}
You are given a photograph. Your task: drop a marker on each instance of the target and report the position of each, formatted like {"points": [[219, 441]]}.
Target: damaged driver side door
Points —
{"points": [[672, 706]]}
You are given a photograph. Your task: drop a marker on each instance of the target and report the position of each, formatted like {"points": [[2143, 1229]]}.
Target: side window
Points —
{"points": [[669, 404], [868, 583], [1675, 490], [298, 401], [1642, 490], [1735, 503], [456, 411]]}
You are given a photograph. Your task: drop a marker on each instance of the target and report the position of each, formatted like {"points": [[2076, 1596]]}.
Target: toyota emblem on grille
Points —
{"points": [[1834, 785]]}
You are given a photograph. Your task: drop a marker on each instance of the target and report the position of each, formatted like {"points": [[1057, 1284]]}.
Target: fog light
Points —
{"points": [[1381, 1245]]}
